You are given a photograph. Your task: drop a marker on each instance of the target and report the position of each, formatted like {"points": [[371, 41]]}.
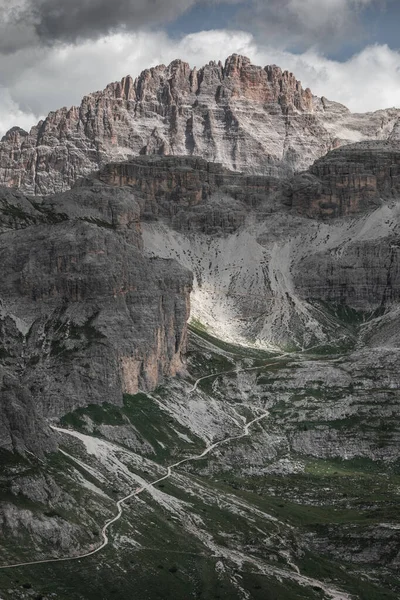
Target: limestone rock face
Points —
{"points": [[268, 270], [251, 119], [21, 427], [349, 181], [85, 316], [94, 296], [365, 276], [193, 195]]}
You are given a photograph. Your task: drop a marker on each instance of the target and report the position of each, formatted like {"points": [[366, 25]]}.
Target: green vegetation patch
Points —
{"points": [[151, 424], [347, 316], [104, 414]]}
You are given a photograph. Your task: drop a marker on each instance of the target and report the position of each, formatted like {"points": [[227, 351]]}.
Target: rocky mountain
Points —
{"points": [[274, 258], [85, 317], [253, 453], [349, 181], [251, 119]]}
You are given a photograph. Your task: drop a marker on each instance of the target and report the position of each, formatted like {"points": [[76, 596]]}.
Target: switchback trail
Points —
{"points": [[296, 576], [271, 361], [245, 370], [136, 492]]}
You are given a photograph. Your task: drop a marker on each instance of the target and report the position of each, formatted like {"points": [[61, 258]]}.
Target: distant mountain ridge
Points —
{"points": [[252, 119]]}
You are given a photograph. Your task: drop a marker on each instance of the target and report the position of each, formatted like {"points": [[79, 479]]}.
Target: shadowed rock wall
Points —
{"points": [[85, 316]]}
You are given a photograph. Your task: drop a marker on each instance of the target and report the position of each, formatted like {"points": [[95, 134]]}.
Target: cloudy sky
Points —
{"points": [[52, 52]]}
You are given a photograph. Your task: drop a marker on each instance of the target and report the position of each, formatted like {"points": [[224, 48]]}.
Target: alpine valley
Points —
{"points": [[199, 344]]}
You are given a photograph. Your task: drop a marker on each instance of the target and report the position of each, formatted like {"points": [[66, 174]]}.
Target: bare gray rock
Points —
{"points": [[349, 181], [85, 316], [21, 426]]}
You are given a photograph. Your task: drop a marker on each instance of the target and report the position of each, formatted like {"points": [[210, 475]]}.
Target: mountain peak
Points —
{"points": [[14, 133], [250, 118]]}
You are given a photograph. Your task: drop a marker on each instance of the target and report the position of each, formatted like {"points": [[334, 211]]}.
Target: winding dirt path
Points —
{"points": [[245, 370], [333, 593], [136, 492]]}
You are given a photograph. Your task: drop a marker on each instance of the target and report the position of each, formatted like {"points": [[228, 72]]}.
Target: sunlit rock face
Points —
{"points": [[263, 262], [249, 118]]}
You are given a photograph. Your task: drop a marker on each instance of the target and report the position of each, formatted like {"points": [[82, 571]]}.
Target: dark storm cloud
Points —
{"points": [[28, 22], [290, 23], [299, 24], [72, 19], [16, 26]]}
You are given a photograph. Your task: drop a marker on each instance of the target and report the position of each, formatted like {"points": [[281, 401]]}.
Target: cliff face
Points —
{"points": [[265, 252], [349, 181], [91, 276], [192, 194], [262, 267], [85, 316], [21, 426], [94, 302], [252, 119], [363, 274]]}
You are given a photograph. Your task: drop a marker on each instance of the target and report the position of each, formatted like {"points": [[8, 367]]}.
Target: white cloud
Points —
{"points": [[368, 81], [11, 114], [45, 79]]}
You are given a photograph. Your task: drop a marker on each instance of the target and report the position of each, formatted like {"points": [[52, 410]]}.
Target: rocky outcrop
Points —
{"points": [[94, 301], [364, 275], [91, 276], [192, 194], [349, 181], [85, 316], [21, 426], [263, 273], [252, 119]]}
